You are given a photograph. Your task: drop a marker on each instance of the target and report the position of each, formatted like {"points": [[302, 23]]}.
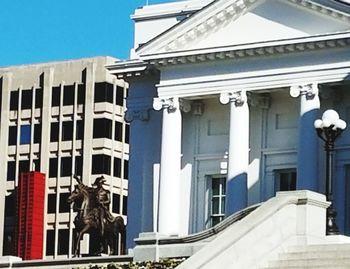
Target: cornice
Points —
{"points": [[268, 48], [131, 68], [216, 14], [150, 64]]}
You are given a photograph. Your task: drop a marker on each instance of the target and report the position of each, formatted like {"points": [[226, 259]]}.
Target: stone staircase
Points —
{"points": [[332, 256]]}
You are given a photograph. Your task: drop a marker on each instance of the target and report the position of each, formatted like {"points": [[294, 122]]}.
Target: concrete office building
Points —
{"points": [[61, 118]]}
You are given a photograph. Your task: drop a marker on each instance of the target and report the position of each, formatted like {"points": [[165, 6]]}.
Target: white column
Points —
{"points": [[307, 169], [238, 160], [170, 166]]}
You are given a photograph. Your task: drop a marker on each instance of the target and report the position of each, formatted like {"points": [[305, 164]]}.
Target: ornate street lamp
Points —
{"points": [[328, 129]]}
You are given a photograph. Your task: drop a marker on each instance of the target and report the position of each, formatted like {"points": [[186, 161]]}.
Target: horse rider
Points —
{"points": [[103, 200]]}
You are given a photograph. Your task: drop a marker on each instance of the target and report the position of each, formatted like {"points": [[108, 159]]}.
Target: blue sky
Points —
{"points": [[33, 31]]}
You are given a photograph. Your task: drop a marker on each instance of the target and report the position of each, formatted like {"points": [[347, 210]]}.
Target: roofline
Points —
{"points": [[149, 62], [185, 26], [255, 45], [48, 63]]}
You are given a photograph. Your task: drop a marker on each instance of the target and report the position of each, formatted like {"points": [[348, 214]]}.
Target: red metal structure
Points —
{"points": [[30, 216]]}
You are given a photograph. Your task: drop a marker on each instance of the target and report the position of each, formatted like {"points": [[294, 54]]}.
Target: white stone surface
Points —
{"points": [[288, 219], [170, 167]]}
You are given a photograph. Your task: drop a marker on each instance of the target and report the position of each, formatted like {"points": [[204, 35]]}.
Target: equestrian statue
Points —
{"points": [[93, 217]]}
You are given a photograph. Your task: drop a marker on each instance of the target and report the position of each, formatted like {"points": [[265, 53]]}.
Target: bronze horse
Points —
{"points": [[88, 221]]}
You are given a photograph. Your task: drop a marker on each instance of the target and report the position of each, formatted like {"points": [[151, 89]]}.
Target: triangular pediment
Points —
{"points": [[238, 22]]}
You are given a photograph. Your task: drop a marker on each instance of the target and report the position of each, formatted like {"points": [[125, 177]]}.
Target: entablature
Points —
{"points": [[329, 41]]}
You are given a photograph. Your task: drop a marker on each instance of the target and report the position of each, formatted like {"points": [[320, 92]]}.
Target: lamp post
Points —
{"points": [[329, 129]]}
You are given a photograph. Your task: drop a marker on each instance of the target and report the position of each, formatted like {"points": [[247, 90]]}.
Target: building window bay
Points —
{"points": [[64, 205], [25, 134], [50, 247], [27, 99], [51, 203], [119, 96], [102, 128], [63, 241], [66, 166], [12, 140], [67, 131], [14, 100], [101, 164], [68, 95], [39, 98], [56, 95], [53, 165], [103, 92], [54, 132], [11, 170]]}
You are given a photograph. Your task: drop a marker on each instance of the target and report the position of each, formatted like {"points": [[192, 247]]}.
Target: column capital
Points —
{"points": [[236, 97], [309, 90], [171, 104]]}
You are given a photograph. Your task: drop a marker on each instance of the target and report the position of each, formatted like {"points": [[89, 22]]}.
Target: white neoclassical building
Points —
{"points": [[222, 101]]}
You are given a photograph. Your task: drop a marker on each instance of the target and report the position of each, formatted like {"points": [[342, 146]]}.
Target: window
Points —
{"points": [[10, 201], [63, 241], [14, 100], [218, 196], [81, 94], [39, 98], [126, 169], [78, 165], [67, 131], [101, 164], [127, 133], [11, 170], [120, 96], [285, 180], [116, 203], [102, 128], [50, 238], [56, 92], [51, 203], [27, 99], [25, 134], [12, 135], [64, 205], [37, 133], [53, 165], [80, 130], [68, 95], [54, 132], [103, 92], [118, 135], [36, 165], [125, 205], [8, 241], [66, 166], [117, 172], [23, 166]]}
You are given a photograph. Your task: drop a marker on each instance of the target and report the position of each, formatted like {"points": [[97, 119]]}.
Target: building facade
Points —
{"points": [[222, 101], [61, 118]]}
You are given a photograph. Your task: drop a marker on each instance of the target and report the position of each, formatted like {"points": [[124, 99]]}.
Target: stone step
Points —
{"points": [[305, 263], [313, 256], [319, 247], [310, 267]]}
